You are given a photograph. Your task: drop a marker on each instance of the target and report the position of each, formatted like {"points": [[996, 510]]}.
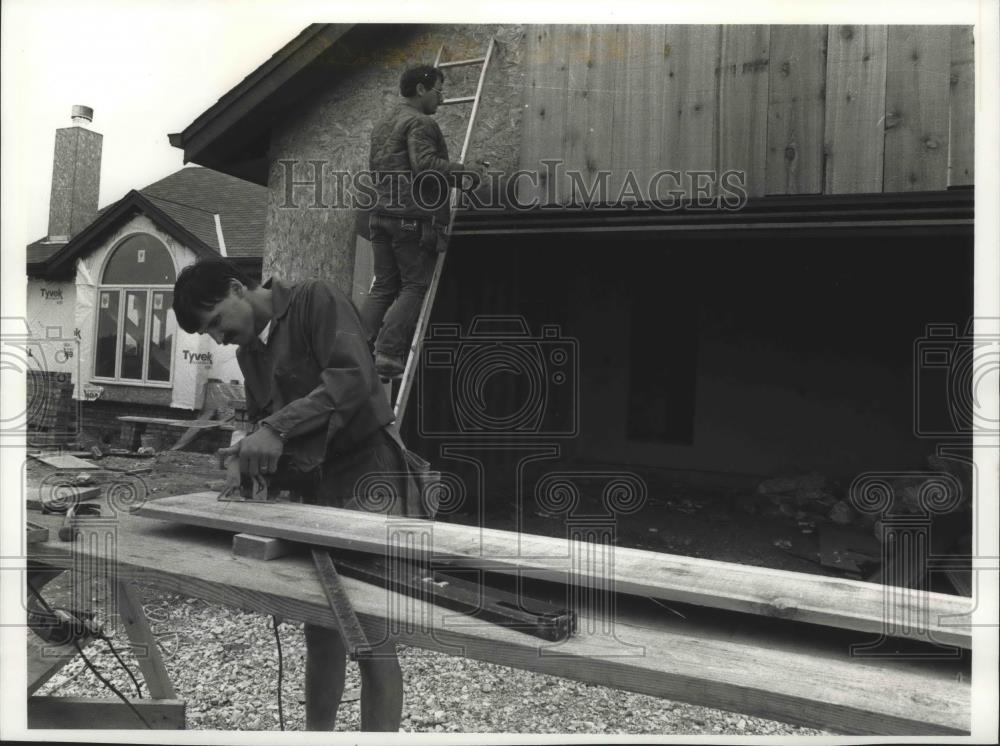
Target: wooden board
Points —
{"points": [[743, 89], [65, 461], [690, 106], [767, 669], [201, 424], [637, 144], [795, 110], [260, 547], [855, 107], [756, 590], [594, 59], [917, 93], [546, 64], [33, 495], [144, 644], [104, 714], [962, 111]]}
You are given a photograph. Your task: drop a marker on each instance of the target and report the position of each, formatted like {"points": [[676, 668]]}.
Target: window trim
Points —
{"points": [[147, 328]]}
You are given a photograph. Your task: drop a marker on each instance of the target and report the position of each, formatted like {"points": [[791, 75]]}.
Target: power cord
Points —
{"points": [[277, 639], [86, 660], [135, 681]]}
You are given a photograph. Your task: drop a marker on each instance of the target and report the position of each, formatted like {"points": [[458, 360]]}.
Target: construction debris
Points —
{"points": [[64, 461]]}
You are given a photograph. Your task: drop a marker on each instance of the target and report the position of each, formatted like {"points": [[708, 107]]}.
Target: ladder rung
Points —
{"points": [[459, 100], [462, 63]]}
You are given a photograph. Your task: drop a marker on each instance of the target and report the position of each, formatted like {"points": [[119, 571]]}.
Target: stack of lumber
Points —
{"points": [[764, 642]]}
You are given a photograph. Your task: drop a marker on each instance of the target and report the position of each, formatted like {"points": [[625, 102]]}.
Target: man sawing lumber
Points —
{"points": [[323, 429]]}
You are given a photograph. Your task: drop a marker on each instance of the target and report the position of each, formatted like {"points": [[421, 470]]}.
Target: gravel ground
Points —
{"points": [[224, 663]]}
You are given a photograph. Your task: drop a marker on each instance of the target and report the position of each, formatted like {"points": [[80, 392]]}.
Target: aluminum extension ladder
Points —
{"points": [[405, 384]]}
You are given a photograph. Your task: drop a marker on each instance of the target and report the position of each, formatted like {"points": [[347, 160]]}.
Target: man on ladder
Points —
{"points": [[409, 162]]}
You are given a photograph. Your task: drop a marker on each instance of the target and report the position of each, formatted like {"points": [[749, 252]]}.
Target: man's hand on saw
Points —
{"points": [[258, 452]]}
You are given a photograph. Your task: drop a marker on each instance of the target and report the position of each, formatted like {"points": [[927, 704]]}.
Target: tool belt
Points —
{"points": [[421, 496], [422, 482], [433, 230]]}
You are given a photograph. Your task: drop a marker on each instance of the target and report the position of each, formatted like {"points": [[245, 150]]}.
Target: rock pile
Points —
{"points": [[813, 498]]}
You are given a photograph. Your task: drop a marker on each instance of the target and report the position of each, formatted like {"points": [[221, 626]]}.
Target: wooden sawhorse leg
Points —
{"points": [[147, 652]]}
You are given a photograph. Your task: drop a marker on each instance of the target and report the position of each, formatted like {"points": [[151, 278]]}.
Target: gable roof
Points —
{"points": [[233, 134], [184, 205]]}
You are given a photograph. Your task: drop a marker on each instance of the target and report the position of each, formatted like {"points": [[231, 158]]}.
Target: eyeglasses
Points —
{"points": [[439, 92]]}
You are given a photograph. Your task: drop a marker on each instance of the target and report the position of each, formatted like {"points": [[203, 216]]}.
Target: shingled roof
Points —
{"points": [[192, 193], [185, 204]]}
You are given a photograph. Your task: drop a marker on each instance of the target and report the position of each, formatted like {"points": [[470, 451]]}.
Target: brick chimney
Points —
{"points": [[76, 176]]}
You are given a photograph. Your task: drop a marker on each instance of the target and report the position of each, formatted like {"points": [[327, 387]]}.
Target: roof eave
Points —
{"points": [[98, 228], [203, 135]]}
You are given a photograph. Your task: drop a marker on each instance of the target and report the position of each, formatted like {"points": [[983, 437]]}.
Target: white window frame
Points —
{"points": [[119, 328]]}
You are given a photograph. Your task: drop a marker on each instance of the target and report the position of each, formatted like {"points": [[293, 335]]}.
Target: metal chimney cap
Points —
{"points": [[82, 112]]}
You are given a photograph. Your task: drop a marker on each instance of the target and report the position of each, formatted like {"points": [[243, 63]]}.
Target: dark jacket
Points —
{"points": [[314, 380], [405, 144]]}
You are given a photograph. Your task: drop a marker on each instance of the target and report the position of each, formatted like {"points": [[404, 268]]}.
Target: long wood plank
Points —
{"points": [[962, 130], [767, 671], [855, 108], [101, 713], [818, 600], [795, 110], [917, 93], [743, 85]]}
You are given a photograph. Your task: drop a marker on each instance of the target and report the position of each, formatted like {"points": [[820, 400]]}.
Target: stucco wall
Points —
{"points": [[334, 124]]}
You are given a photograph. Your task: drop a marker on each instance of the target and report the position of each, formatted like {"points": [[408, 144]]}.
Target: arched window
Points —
{"points": [[135, 321]]}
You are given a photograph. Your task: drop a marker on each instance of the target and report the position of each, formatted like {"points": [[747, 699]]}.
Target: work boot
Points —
{"points": [[389, 366]]}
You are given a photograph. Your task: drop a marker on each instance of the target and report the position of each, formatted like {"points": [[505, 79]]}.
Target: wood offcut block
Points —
{"points": [[260, 547]]}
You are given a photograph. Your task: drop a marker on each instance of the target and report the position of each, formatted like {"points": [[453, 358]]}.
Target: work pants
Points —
{"points": [[404, 264]]}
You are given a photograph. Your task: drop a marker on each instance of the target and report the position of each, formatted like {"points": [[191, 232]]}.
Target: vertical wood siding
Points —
{"points": [[743, 83], [961, 136], [798, 109], [795, 110], [916, 108]]}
